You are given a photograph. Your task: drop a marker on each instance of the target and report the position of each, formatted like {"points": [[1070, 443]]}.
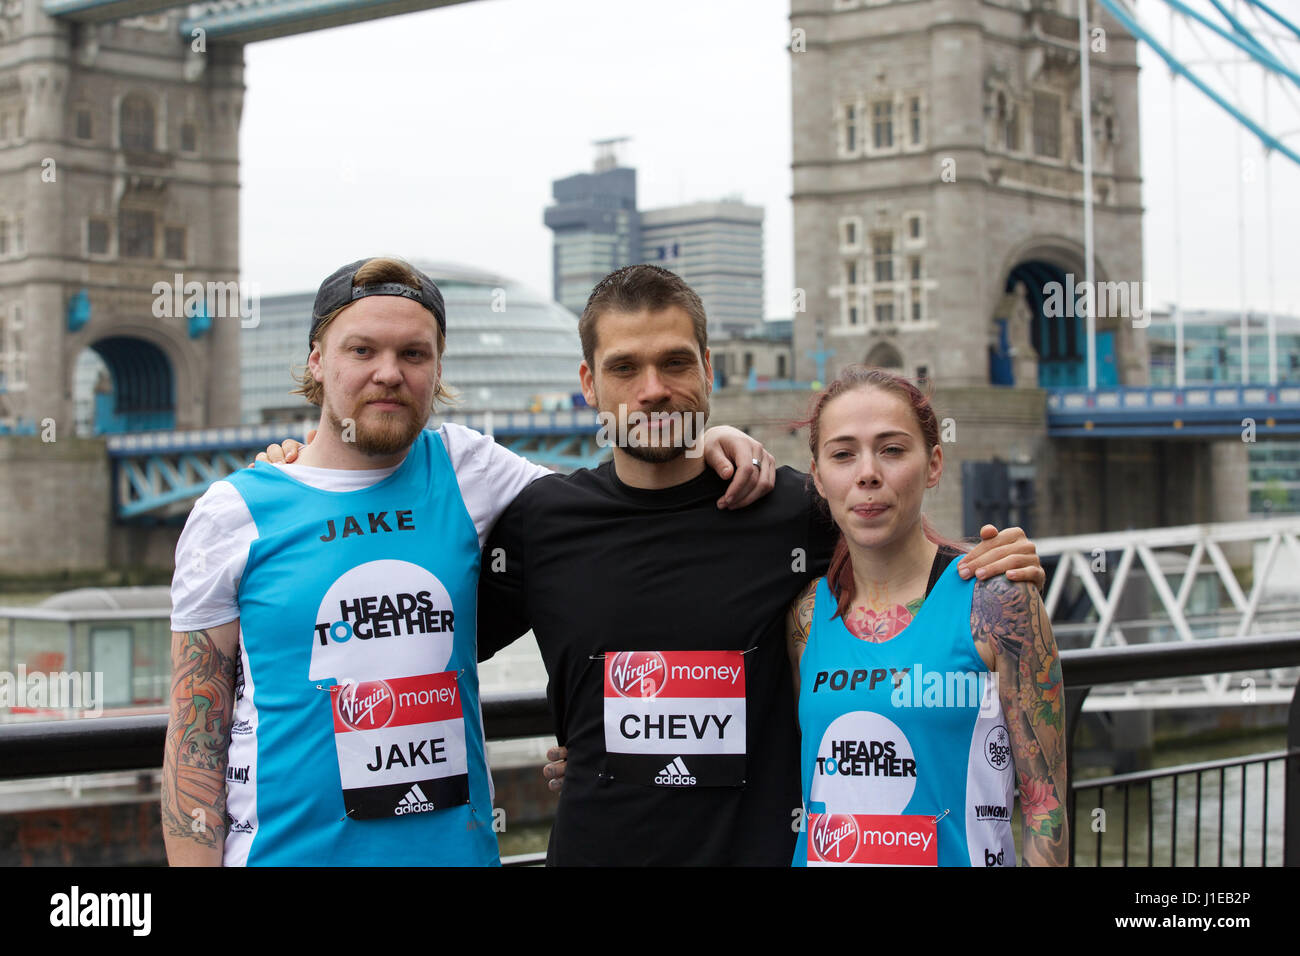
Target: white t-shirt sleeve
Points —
{"points": [[489, 475], [210, 559]]}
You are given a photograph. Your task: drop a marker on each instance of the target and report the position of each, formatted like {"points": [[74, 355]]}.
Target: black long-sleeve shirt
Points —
{"points": [[593, 565]]}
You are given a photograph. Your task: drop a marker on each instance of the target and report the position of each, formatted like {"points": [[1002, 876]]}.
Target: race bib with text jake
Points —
{"points": [[400, 745]]}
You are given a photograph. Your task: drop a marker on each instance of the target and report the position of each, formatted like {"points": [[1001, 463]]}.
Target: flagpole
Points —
{"points": [[1085, 130]]}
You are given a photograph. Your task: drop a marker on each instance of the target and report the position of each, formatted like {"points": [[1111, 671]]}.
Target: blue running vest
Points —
{"points": [[894, 736], [357, 735]]}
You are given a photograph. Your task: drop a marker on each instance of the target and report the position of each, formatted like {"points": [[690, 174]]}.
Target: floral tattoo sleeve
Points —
{"points": [[198, 737], [1008, 618]]}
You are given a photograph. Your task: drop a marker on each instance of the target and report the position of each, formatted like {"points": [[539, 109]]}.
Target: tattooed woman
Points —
{"points": [[924, 699]]}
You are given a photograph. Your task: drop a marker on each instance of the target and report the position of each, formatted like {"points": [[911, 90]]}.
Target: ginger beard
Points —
{"points": [[378, 431]]}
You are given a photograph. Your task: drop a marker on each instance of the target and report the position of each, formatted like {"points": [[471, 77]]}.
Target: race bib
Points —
{"points": [[400, 745], [855, 839], [675, 718]]}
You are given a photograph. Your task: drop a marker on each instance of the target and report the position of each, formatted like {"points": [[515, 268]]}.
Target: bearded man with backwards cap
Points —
{"points": [[324, 705]]}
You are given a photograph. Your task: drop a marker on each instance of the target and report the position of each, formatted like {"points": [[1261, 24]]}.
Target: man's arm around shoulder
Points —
{"points": [[198, 744]]}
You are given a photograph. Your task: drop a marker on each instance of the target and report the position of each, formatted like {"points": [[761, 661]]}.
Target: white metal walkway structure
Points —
{"points": [[1115, 589]]}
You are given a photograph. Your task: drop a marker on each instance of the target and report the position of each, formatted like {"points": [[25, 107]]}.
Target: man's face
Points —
{"points": [[649, 362], [379, 366]]}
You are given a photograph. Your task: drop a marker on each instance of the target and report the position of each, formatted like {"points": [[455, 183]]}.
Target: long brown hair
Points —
{"points": [[839, 576]]}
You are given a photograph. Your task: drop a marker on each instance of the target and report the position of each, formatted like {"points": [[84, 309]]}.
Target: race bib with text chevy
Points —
{"points": [[675, 718]]}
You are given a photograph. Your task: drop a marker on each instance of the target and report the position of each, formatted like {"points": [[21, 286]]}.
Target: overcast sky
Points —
{"points": [[437, 134]]}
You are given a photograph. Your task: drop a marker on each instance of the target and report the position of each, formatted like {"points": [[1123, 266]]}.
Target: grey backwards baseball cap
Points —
{"points": [[338, 290]]}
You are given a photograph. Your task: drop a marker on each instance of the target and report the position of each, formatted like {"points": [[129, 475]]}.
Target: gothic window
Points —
{"points": [[1047, 124], [137, 124]]}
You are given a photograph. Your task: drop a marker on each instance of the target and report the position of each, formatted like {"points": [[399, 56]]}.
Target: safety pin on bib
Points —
{"points": [[942, 815]]}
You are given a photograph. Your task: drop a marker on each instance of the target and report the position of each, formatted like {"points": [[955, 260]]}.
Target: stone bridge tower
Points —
{"points": [[119, 171], [938, 189]]}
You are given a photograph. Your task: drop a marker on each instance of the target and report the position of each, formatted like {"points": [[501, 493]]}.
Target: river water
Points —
{"points": [[1251, 831]]}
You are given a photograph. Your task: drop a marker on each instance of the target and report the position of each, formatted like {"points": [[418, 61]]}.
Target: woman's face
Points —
{"points": [[872, 465]]}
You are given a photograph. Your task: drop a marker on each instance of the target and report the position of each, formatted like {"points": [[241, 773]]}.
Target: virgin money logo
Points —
{"points": [[638, 673], [835, 837], [368, 705]]}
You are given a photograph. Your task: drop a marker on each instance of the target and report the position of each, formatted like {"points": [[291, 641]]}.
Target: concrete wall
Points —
{"points": [[54, 504]]}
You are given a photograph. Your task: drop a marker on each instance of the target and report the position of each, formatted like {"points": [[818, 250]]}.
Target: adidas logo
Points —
{"points": [[675, 775], [414, 802]]}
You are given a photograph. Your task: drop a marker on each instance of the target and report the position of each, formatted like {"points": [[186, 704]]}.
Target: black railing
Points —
{"points": [[1148, 780], [50, 748], [1084, 669]]}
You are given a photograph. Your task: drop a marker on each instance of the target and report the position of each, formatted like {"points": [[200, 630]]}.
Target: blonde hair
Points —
{"points": [[376, 270]]}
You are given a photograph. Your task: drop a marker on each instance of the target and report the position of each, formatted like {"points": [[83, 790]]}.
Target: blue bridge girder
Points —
{"points": [[244, 21], [1204, 411], [102, 11], [157, 474]]}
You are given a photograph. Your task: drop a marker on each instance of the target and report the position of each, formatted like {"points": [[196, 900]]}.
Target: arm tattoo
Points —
{"points": [[198, 735], [799, 615], [1008, 618]]}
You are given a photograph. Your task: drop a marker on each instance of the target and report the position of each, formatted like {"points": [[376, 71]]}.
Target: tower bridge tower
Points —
{"points": [[119, 163], [938, 189]]}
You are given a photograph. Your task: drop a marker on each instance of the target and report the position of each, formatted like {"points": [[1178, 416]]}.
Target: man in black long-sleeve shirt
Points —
{"points": [[635, 556]]}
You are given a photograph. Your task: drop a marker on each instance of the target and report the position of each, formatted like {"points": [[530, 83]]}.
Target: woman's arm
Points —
{"points": [[798, 622], [1014, 635]]}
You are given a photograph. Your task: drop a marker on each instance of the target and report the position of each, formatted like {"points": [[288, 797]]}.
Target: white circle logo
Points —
{"points": [[864, 765], [383, 619]]}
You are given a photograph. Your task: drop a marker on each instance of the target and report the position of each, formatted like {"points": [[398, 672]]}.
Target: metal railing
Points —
{"points": [[1085, 669], [50, 748], [1149, 779]]}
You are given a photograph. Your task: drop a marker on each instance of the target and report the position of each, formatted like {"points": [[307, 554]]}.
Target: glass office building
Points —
{"points": [[1212, 348], [717, 247], [508, 348], [597, 230], [1212, 356]]}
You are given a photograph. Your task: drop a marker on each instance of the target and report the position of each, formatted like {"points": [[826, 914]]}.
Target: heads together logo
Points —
{"points": [[1120, 300], [216, 300], [364, 628], [52, 690]]}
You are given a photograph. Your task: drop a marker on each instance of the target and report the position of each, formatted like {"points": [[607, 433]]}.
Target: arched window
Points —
{"points": [[885, 356], [137, 124]]}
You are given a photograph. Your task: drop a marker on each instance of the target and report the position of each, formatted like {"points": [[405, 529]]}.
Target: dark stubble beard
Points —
{"points": [[660, 454]]}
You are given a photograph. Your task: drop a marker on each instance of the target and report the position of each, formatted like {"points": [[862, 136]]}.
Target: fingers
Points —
{"points": [[981, 558], [291, 449], [1002, 560], [1032, 574], [554, 771], [752, 481]]}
